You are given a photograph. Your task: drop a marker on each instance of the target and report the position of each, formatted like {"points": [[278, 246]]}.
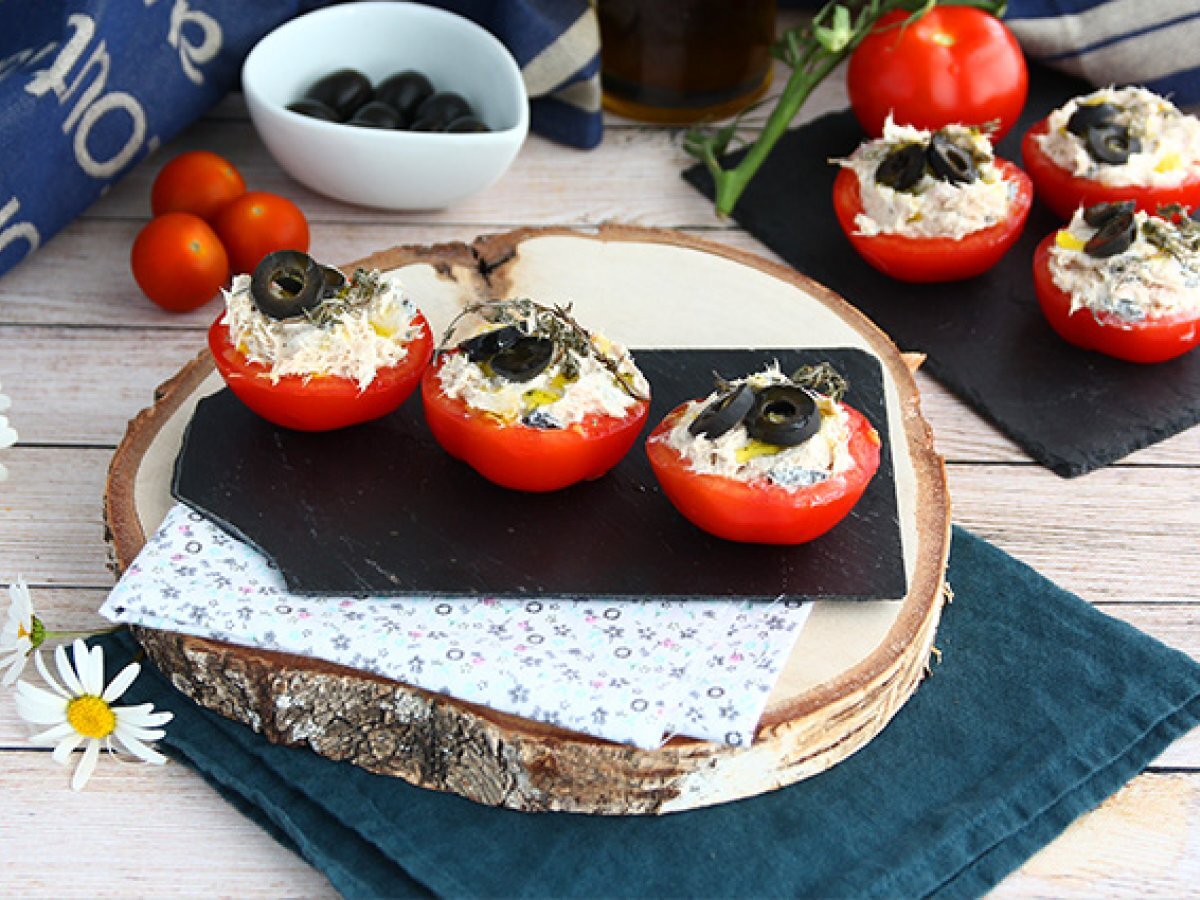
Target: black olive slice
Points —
{"points": [[314, 109], [334, 281], [1090, 116], [487, 344], [1099, 214], [375, 114], [902, 168], [287, 283], [404, 92], [441, 109], [343, 91], [466, 125], [784, 415], [724, 412], [1112, 144], [950, 162], [1114, 237], [524, 360]]}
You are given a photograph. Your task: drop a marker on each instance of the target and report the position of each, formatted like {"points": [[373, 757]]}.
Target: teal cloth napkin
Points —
{"points": [[1040, 708]]}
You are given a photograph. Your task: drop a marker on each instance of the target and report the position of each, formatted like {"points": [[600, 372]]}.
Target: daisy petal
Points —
{"points": [[142, 715], [62, 753], [142, 734], [39, 706], [91, 669], [86, 766], [16, 664], [121, 683], [53, 735], [66, 671], [47, 677], [140, 750]]}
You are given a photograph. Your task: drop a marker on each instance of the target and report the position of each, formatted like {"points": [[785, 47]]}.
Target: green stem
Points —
{"points": [[72, 634]]}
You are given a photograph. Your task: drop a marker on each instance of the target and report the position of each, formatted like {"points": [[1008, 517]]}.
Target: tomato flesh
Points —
{"points": [[523, 458], [928, 259], [1151, 340], [760, 512], [319, 403], [953, 65], [1064, 192]]}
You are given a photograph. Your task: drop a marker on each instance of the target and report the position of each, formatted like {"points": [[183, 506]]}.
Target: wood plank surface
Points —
{"points": [[81, 352]]}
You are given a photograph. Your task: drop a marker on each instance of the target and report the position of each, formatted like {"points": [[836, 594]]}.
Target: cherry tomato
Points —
{"points": [[198, 182], [760, 512], [954, 64], [934, 259], [1151, 340], [320, 403], [524, 458], [258, 223], [1064, 193], [179, 262]]}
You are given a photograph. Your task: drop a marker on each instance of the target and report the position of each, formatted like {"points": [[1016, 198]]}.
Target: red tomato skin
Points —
{"points": [[258, 223], [934, 259], [179, 262], [1064, 193], [1148, 341], [954, 64], [521, 458], [197, 182], [322, 403], [760, 512]]}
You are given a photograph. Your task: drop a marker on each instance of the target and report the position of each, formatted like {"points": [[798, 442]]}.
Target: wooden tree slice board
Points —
{"points": [[852, 668]]}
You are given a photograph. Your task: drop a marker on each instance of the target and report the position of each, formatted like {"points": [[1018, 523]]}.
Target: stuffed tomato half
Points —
{"points": [[765, 459], [308, 349], [533, 402], [925, 206], [1115, 144], [1122, 282]]}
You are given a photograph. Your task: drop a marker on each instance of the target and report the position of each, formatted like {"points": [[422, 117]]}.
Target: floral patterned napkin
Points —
{"points": [[629, 671]]}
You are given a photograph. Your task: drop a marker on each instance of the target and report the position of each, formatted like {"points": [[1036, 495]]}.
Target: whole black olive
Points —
{"points": [[343, 91], [1112, 144], [1090, 116], [784, 415], [726, 411], [315, 109], [1099, 214], [334, 281], [902, 168], [426, 124], [950, 162], [524, 360], [404, 92], [287, 283], [487, 344], [1116, 236], [443, 108], [466, 125], [375, 114]]}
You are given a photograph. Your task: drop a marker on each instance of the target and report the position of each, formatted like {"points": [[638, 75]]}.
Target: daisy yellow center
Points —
{"points": [[91, 716], [21, 632]]}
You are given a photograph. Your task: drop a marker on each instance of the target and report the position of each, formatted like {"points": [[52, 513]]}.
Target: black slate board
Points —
{"points": [[1071, 410], [381, 510]]}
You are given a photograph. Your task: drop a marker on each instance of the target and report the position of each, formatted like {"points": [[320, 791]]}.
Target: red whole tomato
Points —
{"points": [[1151, 340], [760, 512], [524, 458], [319, 403], [1064, 192], [954, 64], [919, 259], [198, 182], [258, 223], [179, 262]]}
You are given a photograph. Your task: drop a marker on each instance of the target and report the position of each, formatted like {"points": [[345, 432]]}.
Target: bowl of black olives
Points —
{"points": [[391, 105]]}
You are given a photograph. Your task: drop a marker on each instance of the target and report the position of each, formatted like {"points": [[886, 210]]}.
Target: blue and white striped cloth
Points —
{"points": [[1154, 43]]}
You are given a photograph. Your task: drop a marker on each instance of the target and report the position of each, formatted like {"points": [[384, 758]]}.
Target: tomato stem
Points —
{"points": [[812, 50]]}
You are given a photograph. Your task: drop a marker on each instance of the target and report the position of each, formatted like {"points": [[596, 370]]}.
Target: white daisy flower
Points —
{"points": [[22, 633], [82, 711]]}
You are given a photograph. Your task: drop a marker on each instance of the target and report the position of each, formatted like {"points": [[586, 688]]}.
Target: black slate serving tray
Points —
{"points": [[1071, 410], [381, 510]]}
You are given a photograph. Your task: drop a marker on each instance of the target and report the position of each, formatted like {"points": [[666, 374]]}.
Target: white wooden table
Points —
{"points": [[81, 352]]}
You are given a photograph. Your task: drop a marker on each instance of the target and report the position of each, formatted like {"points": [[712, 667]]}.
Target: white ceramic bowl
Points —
{"points": [[373, 167]]}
